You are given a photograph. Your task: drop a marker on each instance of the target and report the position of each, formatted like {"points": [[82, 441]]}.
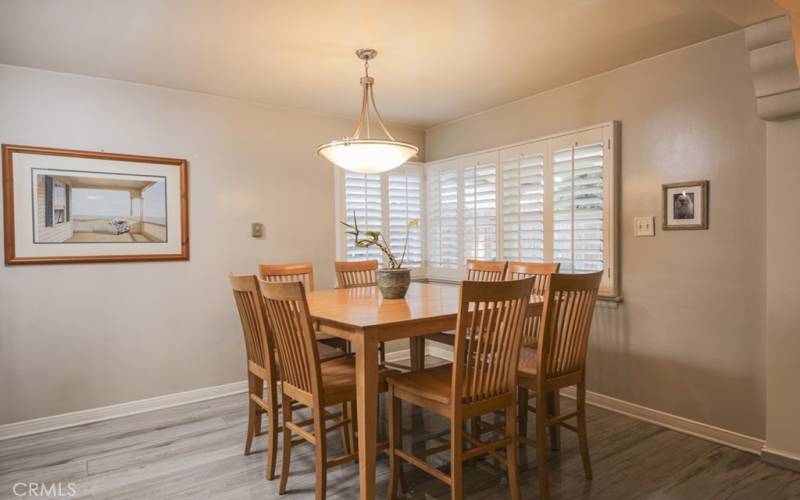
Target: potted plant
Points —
{"points": [[393, 281]]}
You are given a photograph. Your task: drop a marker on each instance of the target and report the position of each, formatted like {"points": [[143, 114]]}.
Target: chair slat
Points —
{"points": [[353, 274]]}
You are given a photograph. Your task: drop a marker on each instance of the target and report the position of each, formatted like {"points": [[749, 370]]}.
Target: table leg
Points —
{"points": [[367, 404], [417, 352]]}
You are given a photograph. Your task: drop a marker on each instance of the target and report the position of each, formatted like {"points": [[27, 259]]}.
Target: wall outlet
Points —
{"points": [[256, 230], [644, 226]]}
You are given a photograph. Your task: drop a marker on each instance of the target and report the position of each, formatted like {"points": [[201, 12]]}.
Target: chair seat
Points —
{"points": [[327, 352], [448, 338], [431, 383], [527, 362], [339, 379]]}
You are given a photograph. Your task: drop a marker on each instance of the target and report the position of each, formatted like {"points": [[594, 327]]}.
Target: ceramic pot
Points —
{"points": [[393, 283]]}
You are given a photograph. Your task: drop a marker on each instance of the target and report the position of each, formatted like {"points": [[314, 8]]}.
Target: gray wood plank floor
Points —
{"points": [[196, 451]]}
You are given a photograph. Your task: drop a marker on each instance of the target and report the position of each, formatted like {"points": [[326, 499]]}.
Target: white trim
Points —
{"points": [[51, 423], [781, 458], [742, 442]]}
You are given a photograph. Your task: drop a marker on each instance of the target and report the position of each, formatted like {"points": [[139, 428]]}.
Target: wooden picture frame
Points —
{"points": [[684, 205], [47, 190]]}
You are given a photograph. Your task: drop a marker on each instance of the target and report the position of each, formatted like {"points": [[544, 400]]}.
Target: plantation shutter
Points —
{"points": [[362, 194], [480, 219], [405, 204], [443, 216], [578, 203], [523, 208], [48, 201]]}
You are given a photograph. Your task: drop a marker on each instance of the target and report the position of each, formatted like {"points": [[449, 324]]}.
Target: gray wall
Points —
{"points": [[689, 337], [74, 337]]}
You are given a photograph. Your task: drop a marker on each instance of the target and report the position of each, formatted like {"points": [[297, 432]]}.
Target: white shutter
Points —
{"points": [[442, 216], [578, 199], [523, 208], [480, 212], [362, 193], [405, 204]]}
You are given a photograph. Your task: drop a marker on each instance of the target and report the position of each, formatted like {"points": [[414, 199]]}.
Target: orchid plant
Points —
{"points": [[366, 239]]}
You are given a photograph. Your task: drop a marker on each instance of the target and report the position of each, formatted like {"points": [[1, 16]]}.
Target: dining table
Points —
{"points": [[364, 318]]}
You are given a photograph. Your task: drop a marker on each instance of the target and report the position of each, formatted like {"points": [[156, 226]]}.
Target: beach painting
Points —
{"points": [[78, 206]]}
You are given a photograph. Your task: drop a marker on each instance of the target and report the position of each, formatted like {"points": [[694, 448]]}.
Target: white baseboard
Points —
{"points": [[692, 427], [781, 458], [26, 427], [729, 438]]}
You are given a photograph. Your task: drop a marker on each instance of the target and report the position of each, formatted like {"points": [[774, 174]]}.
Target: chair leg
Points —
{"points": [[272, 440], [522, 411], [541, 452], [382, 352], [511, 453], [343, 430], [456, 460], [321, 453], [475, 431], [582, 437], [287, 444], [252, 416], [554, 409], [353, 427], [395, 442]]}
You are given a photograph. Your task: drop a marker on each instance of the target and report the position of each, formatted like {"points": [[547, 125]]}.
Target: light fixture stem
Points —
{"points": [[367, 98]]}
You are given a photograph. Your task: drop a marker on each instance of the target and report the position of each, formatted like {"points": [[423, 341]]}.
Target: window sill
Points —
{"points": [[611, 299]]}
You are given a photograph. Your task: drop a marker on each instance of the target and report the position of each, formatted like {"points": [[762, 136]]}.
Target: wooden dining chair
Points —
{"points": [[261, 364], [307, 381], [540, 272], [481, 380], [477, 270], [559, 361], [304, 273]]}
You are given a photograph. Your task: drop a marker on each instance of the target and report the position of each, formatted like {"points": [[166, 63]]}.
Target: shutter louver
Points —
{"points": [[363, 202], [523, 209], [578, 208], [480, 209], [442, 217], [405, 204]]}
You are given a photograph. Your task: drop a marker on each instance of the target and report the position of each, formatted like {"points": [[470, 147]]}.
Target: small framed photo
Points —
{"points": [[685, 205], [68, 206]]}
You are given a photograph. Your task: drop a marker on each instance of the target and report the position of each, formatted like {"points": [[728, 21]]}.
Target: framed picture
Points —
{"points": [[67, 206], [685, 205]]}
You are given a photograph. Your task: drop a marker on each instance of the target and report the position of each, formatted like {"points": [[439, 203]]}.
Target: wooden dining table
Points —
{"points": [[363, 317]]}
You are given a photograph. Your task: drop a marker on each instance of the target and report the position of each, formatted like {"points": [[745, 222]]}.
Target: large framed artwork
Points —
{"points": [[685, 205], [68, 206]]}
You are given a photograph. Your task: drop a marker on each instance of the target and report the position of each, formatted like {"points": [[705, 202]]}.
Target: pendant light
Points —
{"points": [[367, 155]]}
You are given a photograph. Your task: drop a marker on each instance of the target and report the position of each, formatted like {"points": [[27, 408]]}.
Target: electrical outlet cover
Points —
{"points": [[644, 226]]}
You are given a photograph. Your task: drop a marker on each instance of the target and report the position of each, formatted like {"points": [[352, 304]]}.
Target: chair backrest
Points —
{"points": [[486, 270], [302, 272], [488, 338], [290, 323], [253, 316], [540, 272], [353, 274], [566, 322]]}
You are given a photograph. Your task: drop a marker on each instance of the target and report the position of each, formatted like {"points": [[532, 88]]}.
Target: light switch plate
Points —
{"points": [[644, 226], [256, 229]]}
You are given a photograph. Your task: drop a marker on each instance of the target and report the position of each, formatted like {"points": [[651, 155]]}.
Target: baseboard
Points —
{"points": [[26, 427], [781, 458], [692, 427]]}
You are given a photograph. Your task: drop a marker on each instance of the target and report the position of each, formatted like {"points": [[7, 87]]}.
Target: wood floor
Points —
{"points": [[196, 451]]}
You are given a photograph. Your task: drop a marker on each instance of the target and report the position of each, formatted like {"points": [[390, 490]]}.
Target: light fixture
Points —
{"points": [[367, 155]]}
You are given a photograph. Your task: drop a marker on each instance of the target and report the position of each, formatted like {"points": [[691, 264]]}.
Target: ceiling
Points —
{"points": [[438, 60]]}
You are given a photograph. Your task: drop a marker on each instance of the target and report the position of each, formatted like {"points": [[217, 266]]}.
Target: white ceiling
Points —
{"points": [[438, 60]]}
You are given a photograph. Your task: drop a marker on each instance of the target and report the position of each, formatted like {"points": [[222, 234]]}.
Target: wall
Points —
{"points": [[688, 339], [783, 300], [81, 336]]}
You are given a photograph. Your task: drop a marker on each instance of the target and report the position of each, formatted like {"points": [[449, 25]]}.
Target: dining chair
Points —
{"points": [[477, 270], [357, 274], [481, 380], [559, 361], [304, 273], [540, 272], [307, 381], [261, 364]]}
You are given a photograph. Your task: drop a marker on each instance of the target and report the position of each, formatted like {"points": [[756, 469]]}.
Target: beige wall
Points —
{"points": [[689, 338], [783, 299], [81, 336]]}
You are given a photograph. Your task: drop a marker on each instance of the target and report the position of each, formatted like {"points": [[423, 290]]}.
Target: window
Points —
{"points": [[442, 218], [523, 205], [480, 210], [385, 203], [59, 203]]}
